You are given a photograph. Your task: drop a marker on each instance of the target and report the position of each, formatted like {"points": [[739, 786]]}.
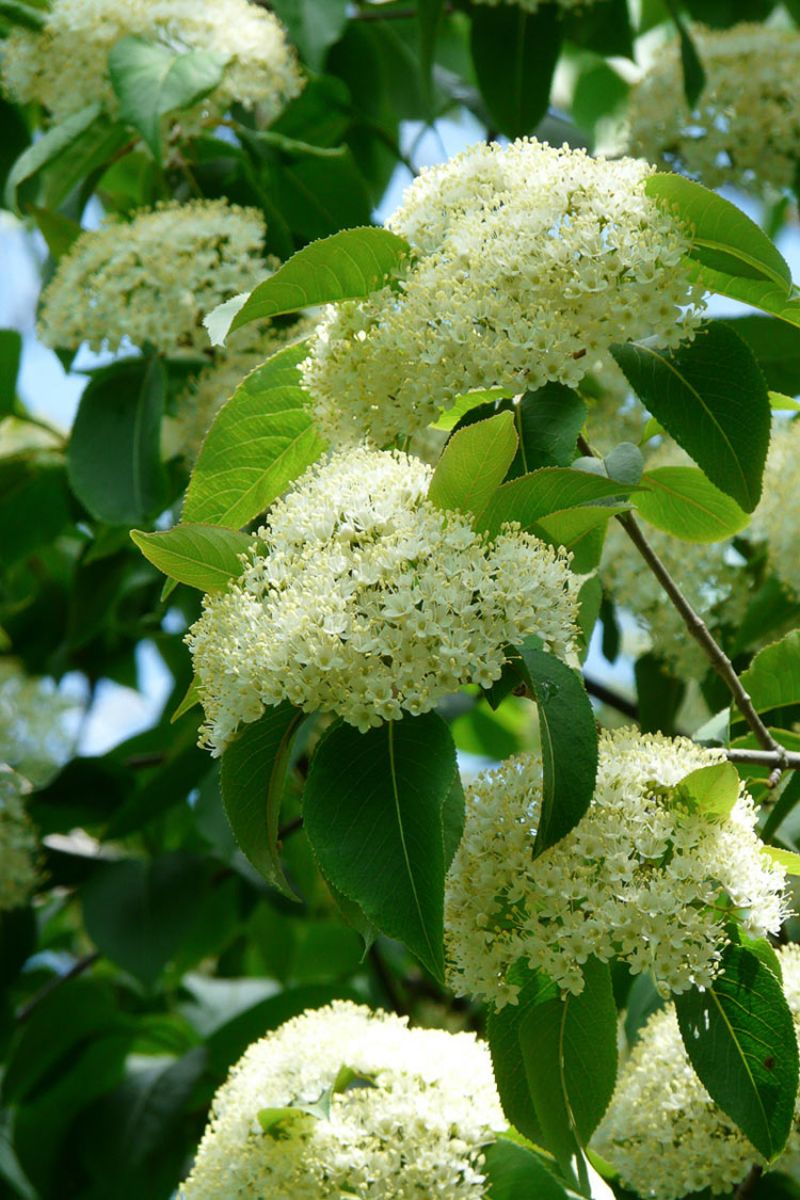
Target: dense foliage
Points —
{"points": [[437, 440]]}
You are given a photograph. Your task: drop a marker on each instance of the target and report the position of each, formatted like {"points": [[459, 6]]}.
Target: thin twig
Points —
{"points": [[74, 971], [611, 698], [396, 14], [748, 1185], [786, 760]]}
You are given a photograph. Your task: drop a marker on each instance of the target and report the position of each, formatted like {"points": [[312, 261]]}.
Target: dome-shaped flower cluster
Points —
{"points": [[65, 65], [371, 602], [664, 1133], [419, 1107], [745, 126], [641, 877], [153, 280], [36, 734], [18, 842], [774, 521], [529, 262]]}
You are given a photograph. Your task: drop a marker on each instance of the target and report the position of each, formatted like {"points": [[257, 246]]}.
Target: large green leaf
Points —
{"points": [[474, 464], [503, 1032], [114, 454], [684, 502], [548, 423], [740, 1038], [253, 781], [543, 492], [515, 53], [723, 237], [770, 297], [261, 439], [344, 266], [151, 80], [374, 809], [579, 530], [201, 556], [569, 1048], [711, 397], [776, 347], [313, 27], [516, 1172], [569, 744], [35, 486], [773, 678]]}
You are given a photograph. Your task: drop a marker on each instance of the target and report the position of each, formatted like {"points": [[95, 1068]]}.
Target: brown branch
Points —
{"points": [[749, 1184], [787, 760], [74, 971], [612, 699]]}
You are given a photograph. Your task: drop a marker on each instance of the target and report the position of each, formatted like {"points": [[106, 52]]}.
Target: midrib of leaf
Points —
{"points": [[279, 765], [713, 993], [684, 499], [406, 858]]}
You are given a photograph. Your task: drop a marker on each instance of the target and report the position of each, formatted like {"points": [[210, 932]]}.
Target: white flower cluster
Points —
{"points": [[422, 1106], [36, 735], [65, 65], [372, 602], [529, 262], [154, 279], [664, 1133], [745, 127], [18, 842], [774, 521], [640, 877]]}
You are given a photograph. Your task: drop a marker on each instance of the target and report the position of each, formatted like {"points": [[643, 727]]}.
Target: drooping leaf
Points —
{"points": [[374, 814], [114, 459], [201, 556], [683, 502], [694, 77], [253, 780], [152, 80], [474, 464], [773, 678], [711, 397], [515, 1172], [514, 54], [740, 1038], [550, 490], [344, 266], [776, 347]]}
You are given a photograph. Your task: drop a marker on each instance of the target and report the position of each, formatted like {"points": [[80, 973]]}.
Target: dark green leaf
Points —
{"points": [[776, 347], [37, 487], [114, 455], [548, 423], [429, 16], [25, 15], [683, 502], [694, 77], [503, 1031], [515, 53], [474, 464], [773, 678], [740, 1038], [201, 556], [253, 781], [660, 694], [313, 27], [374, 814], [10, 354], [516, 1172], [711, 397]]}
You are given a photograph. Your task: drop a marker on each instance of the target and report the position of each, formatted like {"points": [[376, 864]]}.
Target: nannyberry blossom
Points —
{"points": [[410, 1111], [774, 521], [640, 877], [36, 734], [18, 842], [528, 263], [368, 601], [745, 126], [153, 280], [64, 66], [664, 1133]]}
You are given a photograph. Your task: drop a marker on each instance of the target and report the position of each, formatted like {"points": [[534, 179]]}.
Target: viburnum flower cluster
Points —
{"points": [[528, 263], [641, 877], [774, 520], [18, 842], [745, 127], [421, 1107], [664, 1133], [370, 602], [153, 280], [36, 736], [64, 66]]}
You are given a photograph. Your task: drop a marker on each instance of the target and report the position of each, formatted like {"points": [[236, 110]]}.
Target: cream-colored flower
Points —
{"points": [[153, 280], [371, 602], [529, 262], [640, 877], [420, 1108], [774, 521], [664, 1133], [745, 126], [18, 843], [65, 65], [36, 735]]}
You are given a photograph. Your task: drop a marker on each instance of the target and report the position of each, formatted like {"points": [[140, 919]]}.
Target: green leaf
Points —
{"points": [[281, 1124], [579, 530], [569, 744], [374, 810], [569, 1048], [503, 1032], [767, 296], [465, 403], [549, 490], [711, 790], [262, 439], [776, 347], [779, 402], [683, 502], [313, 27], [474, 464], [723, 237], [151, 81], [114, 453], [429, 18], [190, 699], [694, 77], [201, 556], [740, 1038], [514, 54], [788, 859], [659, 693], [515, 1172], [711, 397], [773, 678], [10, 355], [548, 423], [253, 780], [344, 266], [17, 13]]}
